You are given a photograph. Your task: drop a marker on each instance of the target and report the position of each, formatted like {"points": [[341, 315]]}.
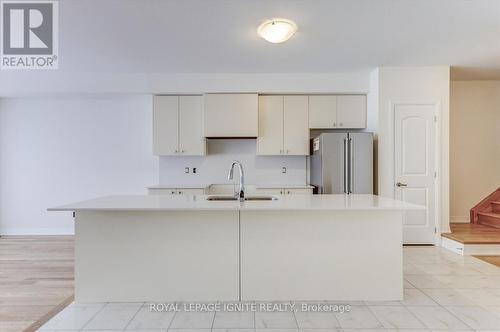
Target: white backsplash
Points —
{"points": [[213, 167]]}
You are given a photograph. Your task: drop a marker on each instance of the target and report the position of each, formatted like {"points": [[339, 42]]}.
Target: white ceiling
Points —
{"points": [[190, 36]]}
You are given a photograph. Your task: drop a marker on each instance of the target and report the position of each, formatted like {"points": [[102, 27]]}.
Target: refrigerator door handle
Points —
{"points": [[346, 190], [351, 166]]}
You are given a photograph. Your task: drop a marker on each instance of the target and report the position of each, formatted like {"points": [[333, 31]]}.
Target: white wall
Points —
{"points": [[59, 150], [29, 83], [213, 168], [413, 84], [474, 144]]}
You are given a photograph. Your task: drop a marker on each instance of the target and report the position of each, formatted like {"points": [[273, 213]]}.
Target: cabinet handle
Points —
{"points": [[281, 192], [335, 124], [182, 151], [281, 151], [341, 124], [180, 192], [288, 192], [287, 151], [175, 151], [173, 192]]}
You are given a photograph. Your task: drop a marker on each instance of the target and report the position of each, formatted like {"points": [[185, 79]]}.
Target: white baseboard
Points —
{"points": [[460, 219], [37, 231], [470, 249]]}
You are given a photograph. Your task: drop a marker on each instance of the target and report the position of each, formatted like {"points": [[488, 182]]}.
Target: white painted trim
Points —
{"points": [[470, 249], [437, 156], [456, 247]]}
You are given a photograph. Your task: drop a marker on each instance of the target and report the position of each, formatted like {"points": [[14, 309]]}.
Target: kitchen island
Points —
{"points": [[187, 248]]}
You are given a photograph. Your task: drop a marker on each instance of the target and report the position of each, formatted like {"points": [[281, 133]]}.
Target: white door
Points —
{"points": [[270, 139], [351, 111], [296, 125], [415, 166], [165, 125], [322, 112], [191, 139]]}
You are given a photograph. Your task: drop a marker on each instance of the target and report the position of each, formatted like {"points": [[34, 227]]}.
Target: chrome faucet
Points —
{"points": [[241, 192]]}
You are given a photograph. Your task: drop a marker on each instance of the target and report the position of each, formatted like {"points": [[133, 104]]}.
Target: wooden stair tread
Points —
{"points": [[473, 234], [489, 214]]}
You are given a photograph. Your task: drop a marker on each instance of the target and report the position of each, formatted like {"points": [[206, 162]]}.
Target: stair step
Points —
{"points": [[495, 206], [489, 223], [488, 218]]}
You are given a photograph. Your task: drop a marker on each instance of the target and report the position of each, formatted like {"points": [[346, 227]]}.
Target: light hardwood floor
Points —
{"points": [[495, 260], [36, 279]]}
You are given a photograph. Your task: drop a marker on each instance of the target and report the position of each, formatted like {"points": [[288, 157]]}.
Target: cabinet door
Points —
{"points": [[351, 111], [191, 139], [322, 112], [165, 125], [231, 115], [270, 139], [295, 125]]}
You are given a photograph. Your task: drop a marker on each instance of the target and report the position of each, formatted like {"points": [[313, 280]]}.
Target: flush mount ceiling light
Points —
{"points": [[277, 30]]}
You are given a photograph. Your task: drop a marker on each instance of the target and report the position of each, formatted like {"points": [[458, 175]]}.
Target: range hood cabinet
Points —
{"points": [[231, 115]]}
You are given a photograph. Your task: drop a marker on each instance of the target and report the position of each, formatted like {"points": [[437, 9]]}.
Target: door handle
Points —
{"points": [[351, 166], [399, 184], [345, 166]]}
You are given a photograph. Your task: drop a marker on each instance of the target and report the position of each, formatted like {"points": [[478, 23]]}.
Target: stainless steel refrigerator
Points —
{"points": [[342, 163]]}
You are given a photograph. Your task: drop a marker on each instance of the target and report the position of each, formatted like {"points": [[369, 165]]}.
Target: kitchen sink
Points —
{"points": [[248, 198], [261, 198]]}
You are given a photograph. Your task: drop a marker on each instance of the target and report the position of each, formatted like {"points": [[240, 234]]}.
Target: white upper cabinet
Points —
{"points": [[178, 126], [191, 139], [165, 125], [322, 112], [231, 115], [270, 139], [337, 112], [351, 111], [295, 129], [283, 128]]}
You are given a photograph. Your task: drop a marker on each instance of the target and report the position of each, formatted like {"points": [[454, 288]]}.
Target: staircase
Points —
{"points": [[487, 212]]}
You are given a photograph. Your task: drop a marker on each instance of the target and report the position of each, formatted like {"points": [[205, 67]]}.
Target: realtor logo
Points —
{"points": [[29, 34]]}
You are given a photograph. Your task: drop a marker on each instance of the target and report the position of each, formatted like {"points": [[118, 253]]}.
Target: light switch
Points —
{"points": [[186, 170], [283, 170]]}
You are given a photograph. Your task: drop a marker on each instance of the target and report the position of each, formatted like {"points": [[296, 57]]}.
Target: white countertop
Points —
{"points": [[204, 186], [200, 203]]}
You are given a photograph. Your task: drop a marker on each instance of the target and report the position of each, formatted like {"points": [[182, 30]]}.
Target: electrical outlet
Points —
{"points": [[194, 170], [186, 170], [283, 170]]}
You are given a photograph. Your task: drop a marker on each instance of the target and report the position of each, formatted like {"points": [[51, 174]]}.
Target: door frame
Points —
{"points": [[437, 157]]}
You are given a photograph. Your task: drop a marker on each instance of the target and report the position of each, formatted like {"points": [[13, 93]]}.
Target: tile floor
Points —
{"points": [[443, 292]]}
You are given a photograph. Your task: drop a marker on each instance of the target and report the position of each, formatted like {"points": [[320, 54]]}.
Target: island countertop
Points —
{"points": [[200, 203]]}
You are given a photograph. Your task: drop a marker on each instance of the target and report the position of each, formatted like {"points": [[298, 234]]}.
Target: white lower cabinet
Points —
{"points": [[284, 191], [176, 191]]}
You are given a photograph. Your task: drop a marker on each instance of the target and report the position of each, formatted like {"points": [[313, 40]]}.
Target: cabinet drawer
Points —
{"points": [[190, 191], [269, 191], [176, 191], [297, 191], [162, 191]]}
